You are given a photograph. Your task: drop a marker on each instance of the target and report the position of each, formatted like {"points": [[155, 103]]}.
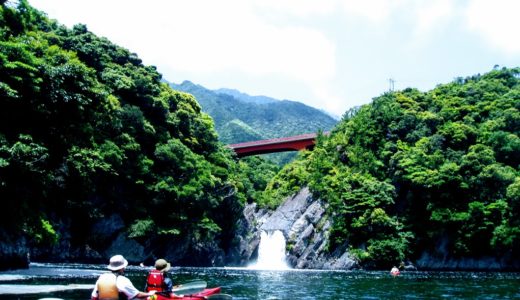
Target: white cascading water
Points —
{"points": [[271, 252]]}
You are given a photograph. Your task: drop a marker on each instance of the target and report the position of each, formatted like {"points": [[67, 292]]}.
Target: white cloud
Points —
{"points": [[377, 11], [221, 39], [306, 50], [431, 15], [208, 36], [497, 22], [422, 17], [211, 37], [300, 8], [327, 99]]}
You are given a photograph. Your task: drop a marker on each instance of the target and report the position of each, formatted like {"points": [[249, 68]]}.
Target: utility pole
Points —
{"points": [[391, 81]]}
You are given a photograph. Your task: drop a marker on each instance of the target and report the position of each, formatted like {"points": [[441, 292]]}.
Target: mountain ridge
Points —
{"points": [[246, 97], [264, 116]]}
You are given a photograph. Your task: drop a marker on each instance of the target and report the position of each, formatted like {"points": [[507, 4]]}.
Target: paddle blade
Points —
{"points": [[191, 287], [219, 297]]}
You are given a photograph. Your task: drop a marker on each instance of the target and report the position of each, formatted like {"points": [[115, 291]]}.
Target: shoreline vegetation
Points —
{"points": [[98, 155]]}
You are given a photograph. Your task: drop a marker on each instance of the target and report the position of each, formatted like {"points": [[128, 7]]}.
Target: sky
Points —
{"points": [[329, 54]]}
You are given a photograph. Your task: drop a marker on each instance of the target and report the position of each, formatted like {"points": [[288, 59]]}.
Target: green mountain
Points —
{"points": [[240, 117]]}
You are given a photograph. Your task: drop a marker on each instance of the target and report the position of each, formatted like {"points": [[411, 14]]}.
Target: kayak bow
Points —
{"points": [[206, 293]]}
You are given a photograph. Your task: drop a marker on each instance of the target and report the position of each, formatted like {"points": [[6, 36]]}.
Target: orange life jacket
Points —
{"points": [[107, 289], [155, 281]]}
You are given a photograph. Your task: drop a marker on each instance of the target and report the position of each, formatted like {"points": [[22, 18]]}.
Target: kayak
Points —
{"points": [[197, 296]]}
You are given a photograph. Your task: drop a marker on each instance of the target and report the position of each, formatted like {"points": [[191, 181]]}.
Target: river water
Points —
{"points": [[69, 281]]}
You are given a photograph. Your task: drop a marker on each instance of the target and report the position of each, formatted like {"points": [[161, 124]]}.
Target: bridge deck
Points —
{"points": [[291, 143], [307, 136]]}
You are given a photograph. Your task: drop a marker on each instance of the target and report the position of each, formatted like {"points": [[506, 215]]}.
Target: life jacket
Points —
{"points": [[107, 288], [155, 281]]}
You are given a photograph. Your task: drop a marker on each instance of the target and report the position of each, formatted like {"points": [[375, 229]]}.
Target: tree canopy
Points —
{"points": [[413, 170], [87, 130]]}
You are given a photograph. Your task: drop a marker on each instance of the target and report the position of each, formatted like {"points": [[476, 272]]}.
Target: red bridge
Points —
{"points": [[291, 143]]}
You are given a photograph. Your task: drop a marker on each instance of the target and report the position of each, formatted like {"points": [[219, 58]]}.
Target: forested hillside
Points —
{"points": [[95, 150], [241, 118], [87, 132], [421, 172]]}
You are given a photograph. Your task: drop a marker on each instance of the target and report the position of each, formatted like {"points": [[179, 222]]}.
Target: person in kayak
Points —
{"points": [[395, 271], [157, 279], [114, 285]]}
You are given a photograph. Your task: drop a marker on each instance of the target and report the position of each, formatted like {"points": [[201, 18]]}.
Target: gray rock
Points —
{"points": [[434, 261], [129, 248], [285, 215], [305, 225], [13, 252]]}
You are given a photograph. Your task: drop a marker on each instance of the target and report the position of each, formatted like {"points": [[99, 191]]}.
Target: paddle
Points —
{"points": [[212, 297], [191, 287], [219, 297]]}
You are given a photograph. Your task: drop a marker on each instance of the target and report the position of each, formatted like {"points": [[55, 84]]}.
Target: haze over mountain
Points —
{"points": [[240, 117], [245, 97]]}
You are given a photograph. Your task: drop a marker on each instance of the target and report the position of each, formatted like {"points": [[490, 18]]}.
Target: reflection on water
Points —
{"points": [[244, 283], [18, 289]]}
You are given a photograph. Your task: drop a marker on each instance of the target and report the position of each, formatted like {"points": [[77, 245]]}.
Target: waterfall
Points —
{"points": [[271, 252]]}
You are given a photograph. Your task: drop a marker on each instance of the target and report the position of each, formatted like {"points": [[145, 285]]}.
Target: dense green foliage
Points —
{"points": [[415, 170], [87, 130], [256, 174]]}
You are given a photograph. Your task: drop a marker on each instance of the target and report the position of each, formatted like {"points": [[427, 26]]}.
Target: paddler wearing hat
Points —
{"points": [[113, 285], [157, 279]]}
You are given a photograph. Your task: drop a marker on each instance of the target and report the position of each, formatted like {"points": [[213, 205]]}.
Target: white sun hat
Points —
{"points": [[117, 262]]}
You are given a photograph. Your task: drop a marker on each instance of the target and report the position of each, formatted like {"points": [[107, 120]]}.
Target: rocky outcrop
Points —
{"points": [[14, 253], [247, 236], [429, 261], [305, 225], [286, 215], [302, 219], [441, 259], [108, 236]]}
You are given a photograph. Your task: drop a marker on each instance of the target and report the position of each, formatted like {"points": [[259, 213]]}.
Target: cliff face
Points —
{"points": [[109, 237], [13, 252], [441, 259], [306, 227], [301, 218]]}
